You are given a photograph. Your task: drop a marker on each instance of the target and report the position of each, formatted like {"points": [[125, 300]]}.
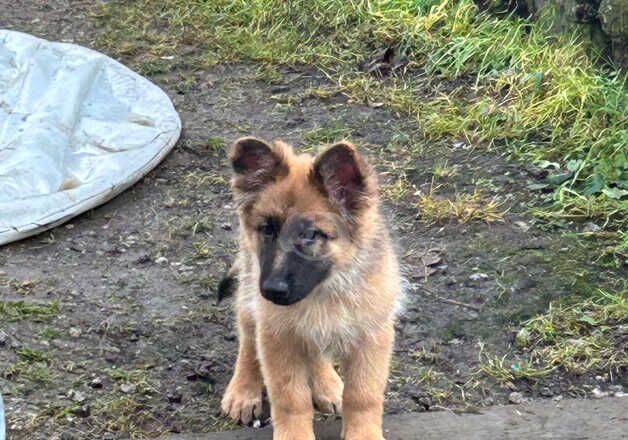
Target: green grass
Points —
{"points": [[517, 88], [580, 335], [326, 134], [462, 207], [32, 371], [575, 335], [18, 310]]}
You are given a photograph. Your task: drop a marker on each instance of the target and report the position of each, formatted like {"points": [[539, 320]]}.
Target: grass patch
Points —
{"points": [[32, 371], [504, 370], [20, 287], [18, 310], [462, 207], [326, 134], [31, 355], [580, 336], [574, 335], [33, 366]]}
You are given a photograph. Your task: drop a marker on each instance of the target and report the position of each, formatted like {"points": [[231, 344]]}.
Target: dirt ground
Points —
{"points": [[138, 346]]}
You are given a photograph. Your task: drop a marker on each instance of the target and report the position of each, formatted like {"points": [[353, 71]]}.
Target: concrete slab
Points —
{"points": [[569, 419]]}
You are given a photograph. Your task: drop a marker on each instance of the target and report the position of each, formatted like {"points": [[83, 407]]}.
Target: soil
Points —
{"points": [[139, 346]]}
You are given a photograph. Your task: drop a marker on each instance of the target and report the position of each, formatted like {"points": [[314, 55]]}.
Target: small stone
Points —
{"points": [[142, 259], [127, 388], [96, 382], [524, 226], [598, 393], [515, 398], [478, 276], [75, 332], [174, 397], [226, 226], [546, 392], [616, 389], [76, 396], [4, 338], [162, 261], [591, 227], [82, 411], [257, 423], [557, 398], [279, 89]]}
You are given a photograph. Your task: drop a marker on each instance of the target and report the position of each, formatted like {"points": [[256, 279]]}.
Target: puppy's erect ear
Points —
{"points": [[342, 174], [255, 163]]}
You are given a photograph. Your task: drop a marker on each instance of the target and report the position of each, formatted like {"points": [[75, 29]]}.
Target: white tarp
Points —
{"points": [[76, 129]]}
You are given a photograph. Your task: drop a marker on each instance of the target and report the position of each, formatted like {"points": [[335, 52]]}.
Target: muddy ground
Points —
{"points": [[138, 346]]}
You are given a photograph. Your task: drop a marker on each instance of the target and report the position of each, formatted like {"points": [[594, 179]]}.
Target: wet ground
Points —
{"points": [[135, 345]]}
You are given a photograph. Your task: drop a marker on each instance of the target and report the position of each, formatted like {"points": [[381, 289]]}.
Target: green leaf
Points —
{"points": [[557, 179], [574, 165], [594, 184], [587, 319], [537, 186], [615, 193]]}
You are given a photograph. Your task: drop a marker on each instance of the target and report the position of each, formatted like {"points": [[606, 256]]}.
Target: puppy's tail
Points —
{"points": [[228, 284]]}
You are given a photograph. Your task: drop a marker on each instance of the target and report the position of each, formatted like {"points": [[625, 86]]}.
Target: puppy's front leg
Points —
{"points": [[366, 372], [243, 397], [284, 366]]}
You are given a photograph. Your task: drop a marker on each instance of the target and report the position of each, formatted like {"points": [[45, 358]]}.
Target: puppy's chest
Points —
{"points": [[328, 329]]}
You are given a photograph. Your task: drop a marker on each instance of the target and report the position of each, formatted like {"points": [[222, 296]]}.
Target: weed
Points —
{"points": [[398, 189], [215, 143], [327, 133], [31, 355], [129, 414], [18, 310], [580, 335], [462, 208], [203, 249], [32, 371], [25, 287], [268, 73], [49, 332], [443, 170], [198, 179], [503, 370]]}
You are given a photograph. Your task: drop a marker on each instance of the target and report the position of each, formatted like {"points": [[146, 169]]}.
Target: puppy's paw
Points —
{"points": [[327, 389], [243, 401]]}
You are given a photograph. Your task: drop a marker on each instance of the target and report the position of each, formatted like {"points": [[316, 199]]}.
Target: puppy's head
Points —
{"points": [[305, 217]]}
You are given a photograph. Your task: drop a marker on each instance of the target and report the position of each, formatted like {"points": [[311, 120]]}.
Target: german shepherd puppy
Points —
{"points": [[318, 280]]}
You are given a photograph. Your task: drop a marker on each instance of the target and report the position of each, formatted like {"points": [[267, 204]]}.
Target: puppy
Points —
{"points": [[318, 281]]}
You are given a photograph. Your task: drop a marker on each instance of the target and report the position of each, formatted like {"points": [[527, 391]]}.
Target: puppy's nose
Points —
{"points": [[275, 288]]}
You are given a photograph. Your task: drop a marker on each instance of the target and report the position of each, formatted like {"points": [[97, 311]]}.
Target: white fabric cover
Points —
{"points": [[76, 129]]}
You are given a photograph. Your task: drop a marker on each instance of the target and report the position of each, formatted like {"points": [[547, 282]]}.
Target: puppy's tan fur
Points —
{"points": [[348, 317]]}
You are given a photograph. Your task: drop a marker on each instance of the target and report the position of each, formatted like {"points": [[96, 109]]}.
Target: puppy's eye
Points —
{"points": [[310, 235], [266, 229]]}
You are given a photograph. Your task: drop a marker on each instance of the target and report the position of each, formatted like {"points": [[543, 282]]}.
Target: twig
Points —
{"points": [[450, 301]]}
